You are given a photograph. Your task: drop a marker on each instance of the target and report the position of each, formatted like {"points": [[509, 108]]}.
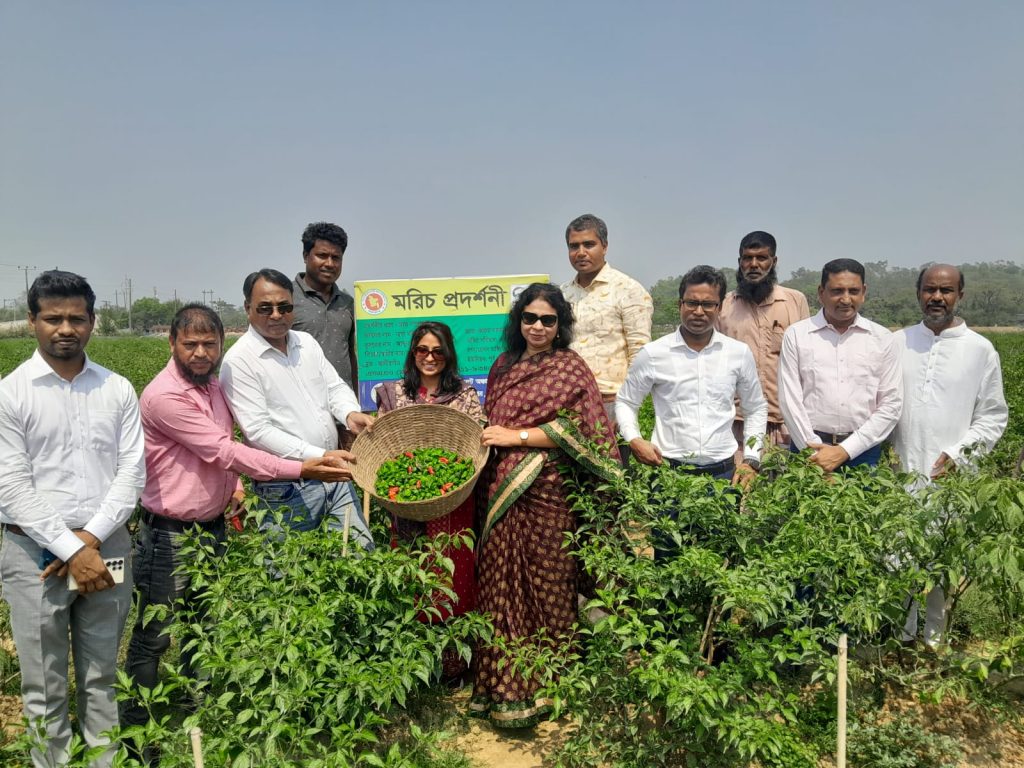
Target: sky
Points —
{"points": [[185, 144]]}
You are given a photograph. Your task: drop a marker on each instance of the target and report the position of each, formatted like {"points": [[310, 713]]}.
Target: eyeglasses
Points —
{"points": [[422, 353], [548, 321], [268, 309], [707, 306]]}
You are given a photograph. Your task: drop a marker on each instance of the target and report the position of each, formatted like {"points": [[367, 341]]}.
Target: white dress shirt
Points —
{"points": [[71, 451], [840, 383], [285, 404], [693, 394], [953, 396]]}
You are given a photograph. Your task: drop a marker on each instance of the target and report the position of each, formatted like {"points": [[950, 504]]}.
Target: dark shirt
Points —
{"points": [[332, 324]]}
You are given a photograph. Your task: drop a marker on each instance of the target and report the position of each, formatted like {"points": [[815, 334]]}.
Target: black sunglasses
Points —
{"points": [[423, 352], [548, 321], [268, 309]]}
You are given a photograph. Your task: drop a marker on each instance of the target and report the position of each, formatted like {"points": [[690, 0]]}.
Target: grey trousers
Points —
{"points": [[43, 616]]}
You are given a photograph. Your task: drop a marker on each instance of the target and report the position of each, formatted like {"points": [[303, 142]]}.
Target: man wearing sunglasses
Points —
{"points": [[613, 311], [288, 400]]}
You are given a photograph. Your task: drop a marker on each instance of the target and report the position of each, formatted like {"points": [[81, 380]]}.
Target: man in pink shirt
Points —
{"points": [[840, 375], [192, 468]]}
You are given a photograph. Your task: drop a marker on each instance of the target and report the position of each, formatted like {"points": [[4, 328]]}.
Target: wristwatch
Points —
{"points": [[754, 464], [524, 436]]}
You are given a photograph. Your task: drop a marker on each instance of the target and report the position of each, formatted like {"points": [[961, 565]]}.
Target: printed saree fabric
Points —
{"points": [[526, 579]]}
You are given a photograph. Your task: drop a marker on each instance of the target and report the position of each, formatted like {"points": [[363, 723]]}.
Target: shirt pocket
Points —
{"points": [[104, 429]]}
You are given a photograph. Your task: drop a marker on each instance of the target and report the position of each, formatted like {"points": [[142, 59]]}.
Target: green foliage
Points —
{"points": [[900, 743], [704, 657], [303, 654]]}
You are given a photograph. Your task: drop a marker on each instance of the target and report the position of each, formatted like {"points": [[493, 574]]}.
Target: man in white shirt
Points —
{"points": [[71, 446], [613, 311], [288, 400], [694, 376], [953, 403], [840, 381]]}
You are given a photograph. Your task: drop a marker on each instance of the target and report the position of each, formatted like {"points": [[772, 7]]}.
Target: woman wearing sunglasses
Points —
{"points": [[431, 375], [526, 579]]}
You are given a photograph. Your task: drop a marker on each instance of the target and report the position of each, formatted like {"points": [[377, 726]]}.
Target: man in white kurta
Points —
{"points": [[953, 404]]}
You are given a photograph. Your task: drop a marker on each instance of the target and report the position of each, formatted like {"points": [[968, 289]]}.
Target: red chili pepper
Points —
{"points": [[442, 459], [446, 487], [408, 455], [419, 483], [430, 470], [410, 469], [236, 523]]}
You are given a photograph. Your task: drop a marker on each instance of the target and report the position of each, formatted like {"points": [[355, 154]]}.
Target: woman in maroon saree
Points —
{"points": [[526, 580]]}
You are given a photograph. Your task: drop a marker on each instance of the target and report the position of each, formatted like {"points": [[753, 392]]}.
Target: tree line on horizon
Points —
{"points": [[993, 294]]}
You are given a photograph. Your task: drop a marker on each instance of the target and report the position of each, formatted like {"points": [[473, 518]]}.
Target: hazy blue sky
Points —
{"points": [[185, 144]]}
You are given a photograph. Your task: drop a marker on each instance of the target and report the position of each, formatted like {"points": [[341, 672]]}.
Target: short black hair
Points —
{"points": [[58, 284], [920, 275], [585, 222], [451, 381], [758, 239], [271, 276], [322, 230], [515, 343], [704, 275], [836, 266], [197, 317]]}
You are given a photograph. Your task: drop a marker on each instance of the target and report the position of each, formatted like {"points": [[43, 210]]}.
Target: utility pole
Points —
{"points": [[128, 300], [25, 270], [154, 293], [176, 307], [204, 297]]}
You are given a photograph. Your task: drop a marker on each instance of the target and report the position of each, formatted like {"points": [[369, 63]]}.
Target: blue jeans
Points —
{"points": [[305, 504], [158, 581]]}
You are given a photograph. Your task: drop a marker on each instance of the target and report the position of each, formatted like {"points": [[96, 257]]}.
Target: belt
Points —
{"points": [[15, 529], [829, 438], [161, 523], [704, 469]]}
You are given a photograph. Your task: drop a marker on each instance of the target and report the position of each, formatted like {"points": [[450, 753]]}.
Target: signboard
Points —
{"points": [[475, 308]]}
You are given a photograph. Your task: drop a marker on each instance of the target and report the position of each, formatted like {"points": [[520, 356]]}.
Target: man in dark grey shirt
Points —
{"points": [[322, 309]]}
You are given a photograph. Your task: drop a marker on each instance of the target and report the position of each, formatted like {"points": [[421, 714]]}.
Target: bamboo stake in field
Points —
{"points": [[197, 747], [348, 523], [841, 705]]}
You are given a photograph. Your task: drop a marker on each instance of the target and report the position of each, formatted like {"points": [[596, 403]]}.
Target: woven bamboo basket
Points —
{"points": [[419, 426]]}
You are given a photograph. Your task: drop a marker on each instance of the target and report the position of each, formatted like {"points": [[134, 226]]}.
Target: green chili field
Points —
{"points": [[722, 656]]}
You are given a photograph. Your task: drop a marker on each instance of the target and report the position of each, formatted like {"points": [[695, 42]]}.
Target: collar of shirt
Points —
{"points": [[819, 323], [679, 341], [952, 332], [263, 346], [38, 368], [301, 280], [600, 277]]}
